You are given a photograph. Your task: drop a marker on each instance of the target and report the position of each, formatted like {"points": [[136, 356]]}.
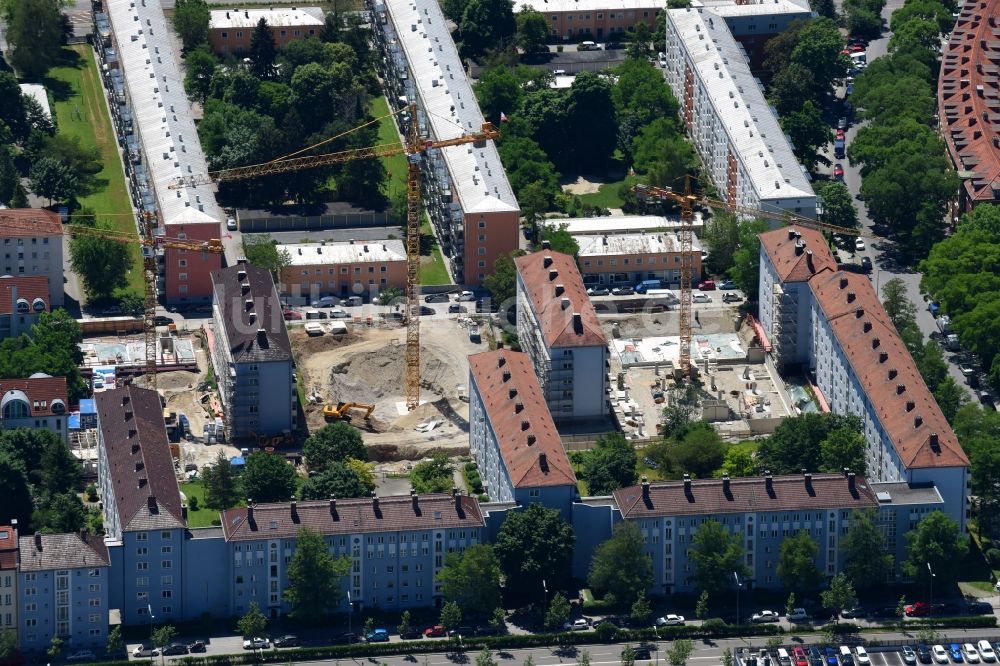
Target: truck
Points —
{"points": [[838, 149]]}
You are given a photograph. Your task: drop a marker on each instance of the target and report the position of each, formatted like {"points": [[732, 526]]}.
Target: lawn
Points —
{"points": [[204, 516], [433, 271], [606, 196], [387, 133], [77, 100]]}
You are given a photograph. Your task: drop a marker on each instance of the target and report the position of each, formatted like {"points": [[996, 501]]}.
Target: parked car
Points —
{"points": [[291, 315], [160, 320], [707, 285], [436, 298], [966, 370], [641, 653], [287, 640], [410, 635], [853, 613], [256, 644], [727, 284], [231, 223], [799, 656], [866, 264], [730, 297], [862, 656], [815, 657], [326, 302], [838, 172], [626, 290], [842, 123], [933, 308], [940, 654], [986, 652], [919, 609], [924, 654], [143, 651], [455, 308], [437, 631], [859, 244], [579, 624], [971, 653], [422, 310], [197, 646], [466, 296], [764, 616], [175, 649], [598, 291], [797, 615], [701, 298], [378, 636], [955, 652], [484, 305], [831, 657], [979, 608], [908, 655], [670, 620], [339, 314], [82, 655]]}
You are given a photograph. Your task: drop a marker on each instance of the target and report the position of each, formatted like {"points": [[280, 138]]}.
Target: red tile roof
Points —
{"points": [[41, 388], [8, 547], [970, 119], [27, 287], [529, 443], [749, 494], [904, 405], [352, 516], [797, 253], [542, 274], [16, 222], [48, 552], [133, 438]]}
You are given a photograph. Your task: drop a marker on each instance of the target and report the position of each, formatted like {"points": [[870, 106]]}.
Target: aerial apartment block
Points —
{"points": [[39, 402], [231, 30], [731, 125], [153, 113], [465, 188], [342, 268], [558, 329], [832, 324], [627, 259], [512, 436], [22, 302], [251, 353], [968, 102], [33, 245]]}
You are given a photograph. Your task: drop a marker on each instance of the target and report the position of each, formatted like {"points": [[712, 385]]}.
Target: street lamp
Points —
{"points": [[656, 644], [930, 605], [350, 616], [152, 651], [736, 577], [545, 599]]}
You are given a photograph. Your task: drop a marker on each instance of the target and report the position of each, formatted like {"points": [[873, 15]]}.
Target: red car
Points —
{"points": [[919, 609], [800, 657], [291, 315], [707, 285], [856, 48], [838, 172], [437, 631], [840, 134]]}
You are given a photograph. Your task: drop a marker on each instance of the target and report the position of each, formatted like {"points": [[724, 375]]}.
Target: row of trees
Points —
{"points": [[907, 180], [282, 101], [35, 34]]}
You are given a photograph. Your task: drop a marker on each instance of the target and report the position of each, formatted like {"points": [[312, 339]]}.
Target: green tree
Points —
{"points": [[819, 50], [722, 238], [727, 657], [560, 240], [485, 658], [931, 364], [839, 595], [498, 621], [162, 636], [935, 545], [261, 251], [471, 579], [115, 642], [17, 502], [191, 22], [337, 480], [838, 205], [901, 310], [267, 477], [746, 260], [842, 448], [533, 545], [532, 30], [83, 163], [641, 609], [55, 647], [610, 465], [486, 25], [557, 614], [314, 576], [620, 566], [9, 177], [797, 568], [638, 45], [433, 476], [679, 651], [796, 443], [716, 554], [220, 483], [502, 282], [451, 615], [701, 452], [809, 133], [253, 624], [701, 607], [739, 460], [499, 90], [627, 657], [404, 627], [34, 35], [950, 397], [53, 180], [199, 68], [660, 152], [867, 557], [102, 264], [263, 52], [334, 442], [592, 123], [789, 603], [60, 513]]}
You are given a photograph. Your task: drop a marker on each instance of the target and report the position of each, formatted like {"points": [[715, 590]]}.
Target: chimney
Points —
{"points": [[687, 484], [293, 507], [184, 511], [38, 540], [553, 274], [883, 356], [851, 296], [918, 421], [524, 425], [843, 283], [845, 471], [135, 449], [645, 489], [458, 498], [543, 461], [501, 361], [151, 504], [546, 245], [768, 482], [791, 233], [799, 247], [560, 289], [518, 407], [249, 509], [414, 501], [900, 389], [506, 376], [375, 503], [333, 505], [725, 484], [935, 443], [892, 373], [142, 482], [531, 440], [850, 481], [809, 482], [564, 303], [910, 405], [867, 326], [139, 465], [511, 394], [809, 261], [859, 313], [547, 261], [875, 343], [577, 322]]}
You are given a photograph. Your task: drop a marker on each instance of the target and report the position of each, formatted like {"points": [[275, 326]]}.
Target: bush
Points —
{"points": [[993, 557], [92, 496], [193, 503], [841, 628], [470, 466]]}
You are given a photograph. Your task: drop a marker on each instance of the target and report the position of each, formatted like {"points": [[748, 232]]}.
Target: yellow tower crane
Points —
{"points": [[415, 149], [150, 244]]}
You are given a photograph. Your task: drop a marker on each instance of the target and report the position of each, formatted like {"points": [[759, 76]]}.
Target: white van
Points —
{"points": [[783, 658]]}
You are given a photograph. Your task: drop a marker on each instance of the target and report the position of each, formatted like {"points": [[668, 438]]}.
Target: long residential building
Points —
{"points": [[342, 269], [153, 113], [512, 436], [832, 324], [558, 329], [969, 103], [627, 259], [252, 354], [230, 31], [33, 246], [731, 125], [465, 188]]}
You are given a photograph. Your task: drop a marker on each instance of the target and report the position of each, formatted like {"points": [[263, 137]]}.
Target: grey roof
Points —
{"points": [[134, 440], [251, 314], [904, 493], [62, 551]]}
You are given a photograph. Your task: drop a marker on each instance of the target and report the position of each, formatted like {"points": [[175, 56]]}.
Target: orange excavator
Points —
{"points": [[342, 410]]}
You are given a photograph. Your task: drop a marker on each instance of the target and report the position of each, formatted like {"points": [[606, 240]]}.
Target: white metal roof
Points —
{"points": [[161, 110], [727, 8], [309, 254], [450, 106], [615, 224], [749, 121], [37, 92], [275, 16], [546, 6], [615, 244]]}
